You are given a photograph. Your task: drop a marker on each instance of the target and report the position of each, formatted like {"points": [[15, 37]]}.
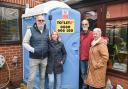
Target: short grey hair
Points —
{"points": [[97, 30], [36, 16]]}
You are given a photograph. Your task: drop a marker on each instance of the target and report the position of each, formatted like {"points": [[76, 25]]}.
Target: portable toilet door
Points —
{"points": [[67, 23], [27, 23]]}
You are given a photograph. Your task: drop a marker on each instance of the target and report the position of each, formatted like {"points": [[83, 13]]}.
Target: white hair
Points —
{"points": [[85, 21], [97, 30]]}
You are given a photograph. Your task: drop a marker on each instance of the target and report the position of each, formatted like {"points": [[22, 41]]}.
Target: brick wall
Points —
{"points": [[116, 80], [9, 51], [32, 3]]}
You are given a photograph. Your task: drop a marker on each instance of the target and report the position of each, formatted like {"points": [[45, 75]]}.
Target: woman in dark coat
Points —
{"points": [[56, 59]]}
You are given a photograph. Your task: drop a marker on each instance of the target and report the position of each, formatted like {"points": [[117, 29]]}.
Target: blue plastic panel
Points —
{"points": [[26, 24]]}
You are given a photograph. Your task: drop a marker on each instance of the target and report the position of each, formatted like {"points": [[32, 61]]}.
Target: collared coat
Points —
{"points": [[56, 57], [98, 57]]}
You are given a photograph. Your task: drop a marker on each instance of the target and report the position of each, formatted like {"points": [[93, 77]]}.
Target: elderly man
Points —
{"points": [[86, 38], [36, 42]]}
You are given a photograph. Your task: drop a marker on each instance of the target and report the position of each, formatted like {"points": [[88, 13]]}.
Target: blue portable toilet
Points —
{"points": [[66, 21]]}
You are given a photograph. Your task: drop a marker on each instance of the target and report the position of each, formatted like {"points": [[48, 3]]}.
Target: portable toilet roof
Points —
{"points": [[44, 8]]}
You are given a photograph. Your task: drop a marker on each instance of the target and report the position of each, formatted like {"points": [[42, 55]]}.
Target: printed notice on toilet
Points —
{"points": [[65, 25]]}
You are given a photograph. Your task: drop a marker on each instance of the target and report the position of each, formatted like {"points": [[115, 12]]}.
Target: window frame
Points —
{"points": [[19, 24], [112, 71]]}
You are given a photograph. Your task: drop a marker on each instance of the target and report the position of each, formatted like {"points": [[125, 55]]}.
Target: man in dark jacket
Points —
{"points": [[36, 42]]}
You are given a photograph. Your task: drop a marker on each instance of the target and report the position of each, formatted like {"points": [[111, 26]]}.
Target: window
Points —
{"points": [[9, 25], [91, 16], [117, 30]]}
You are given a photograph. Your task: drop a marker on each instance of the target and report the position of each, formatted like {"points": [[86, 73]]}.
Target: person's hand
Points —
{"points": [[61, 62], [98, 65]]}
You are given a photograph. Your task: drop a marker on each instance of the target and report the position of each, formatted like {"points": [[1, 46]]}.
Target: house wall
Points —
{"points": [[10, 51], [16, 72], [32, 3]]}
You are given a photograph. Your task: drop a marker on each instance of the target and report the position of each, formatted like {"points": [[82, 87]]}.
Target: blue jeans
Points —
{"points": [[52, 82], [83, 69]]}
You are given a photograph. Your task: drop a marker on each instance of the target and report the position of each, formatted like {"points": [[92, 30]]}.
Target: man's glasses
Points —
{"points": [[40, 20]]}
